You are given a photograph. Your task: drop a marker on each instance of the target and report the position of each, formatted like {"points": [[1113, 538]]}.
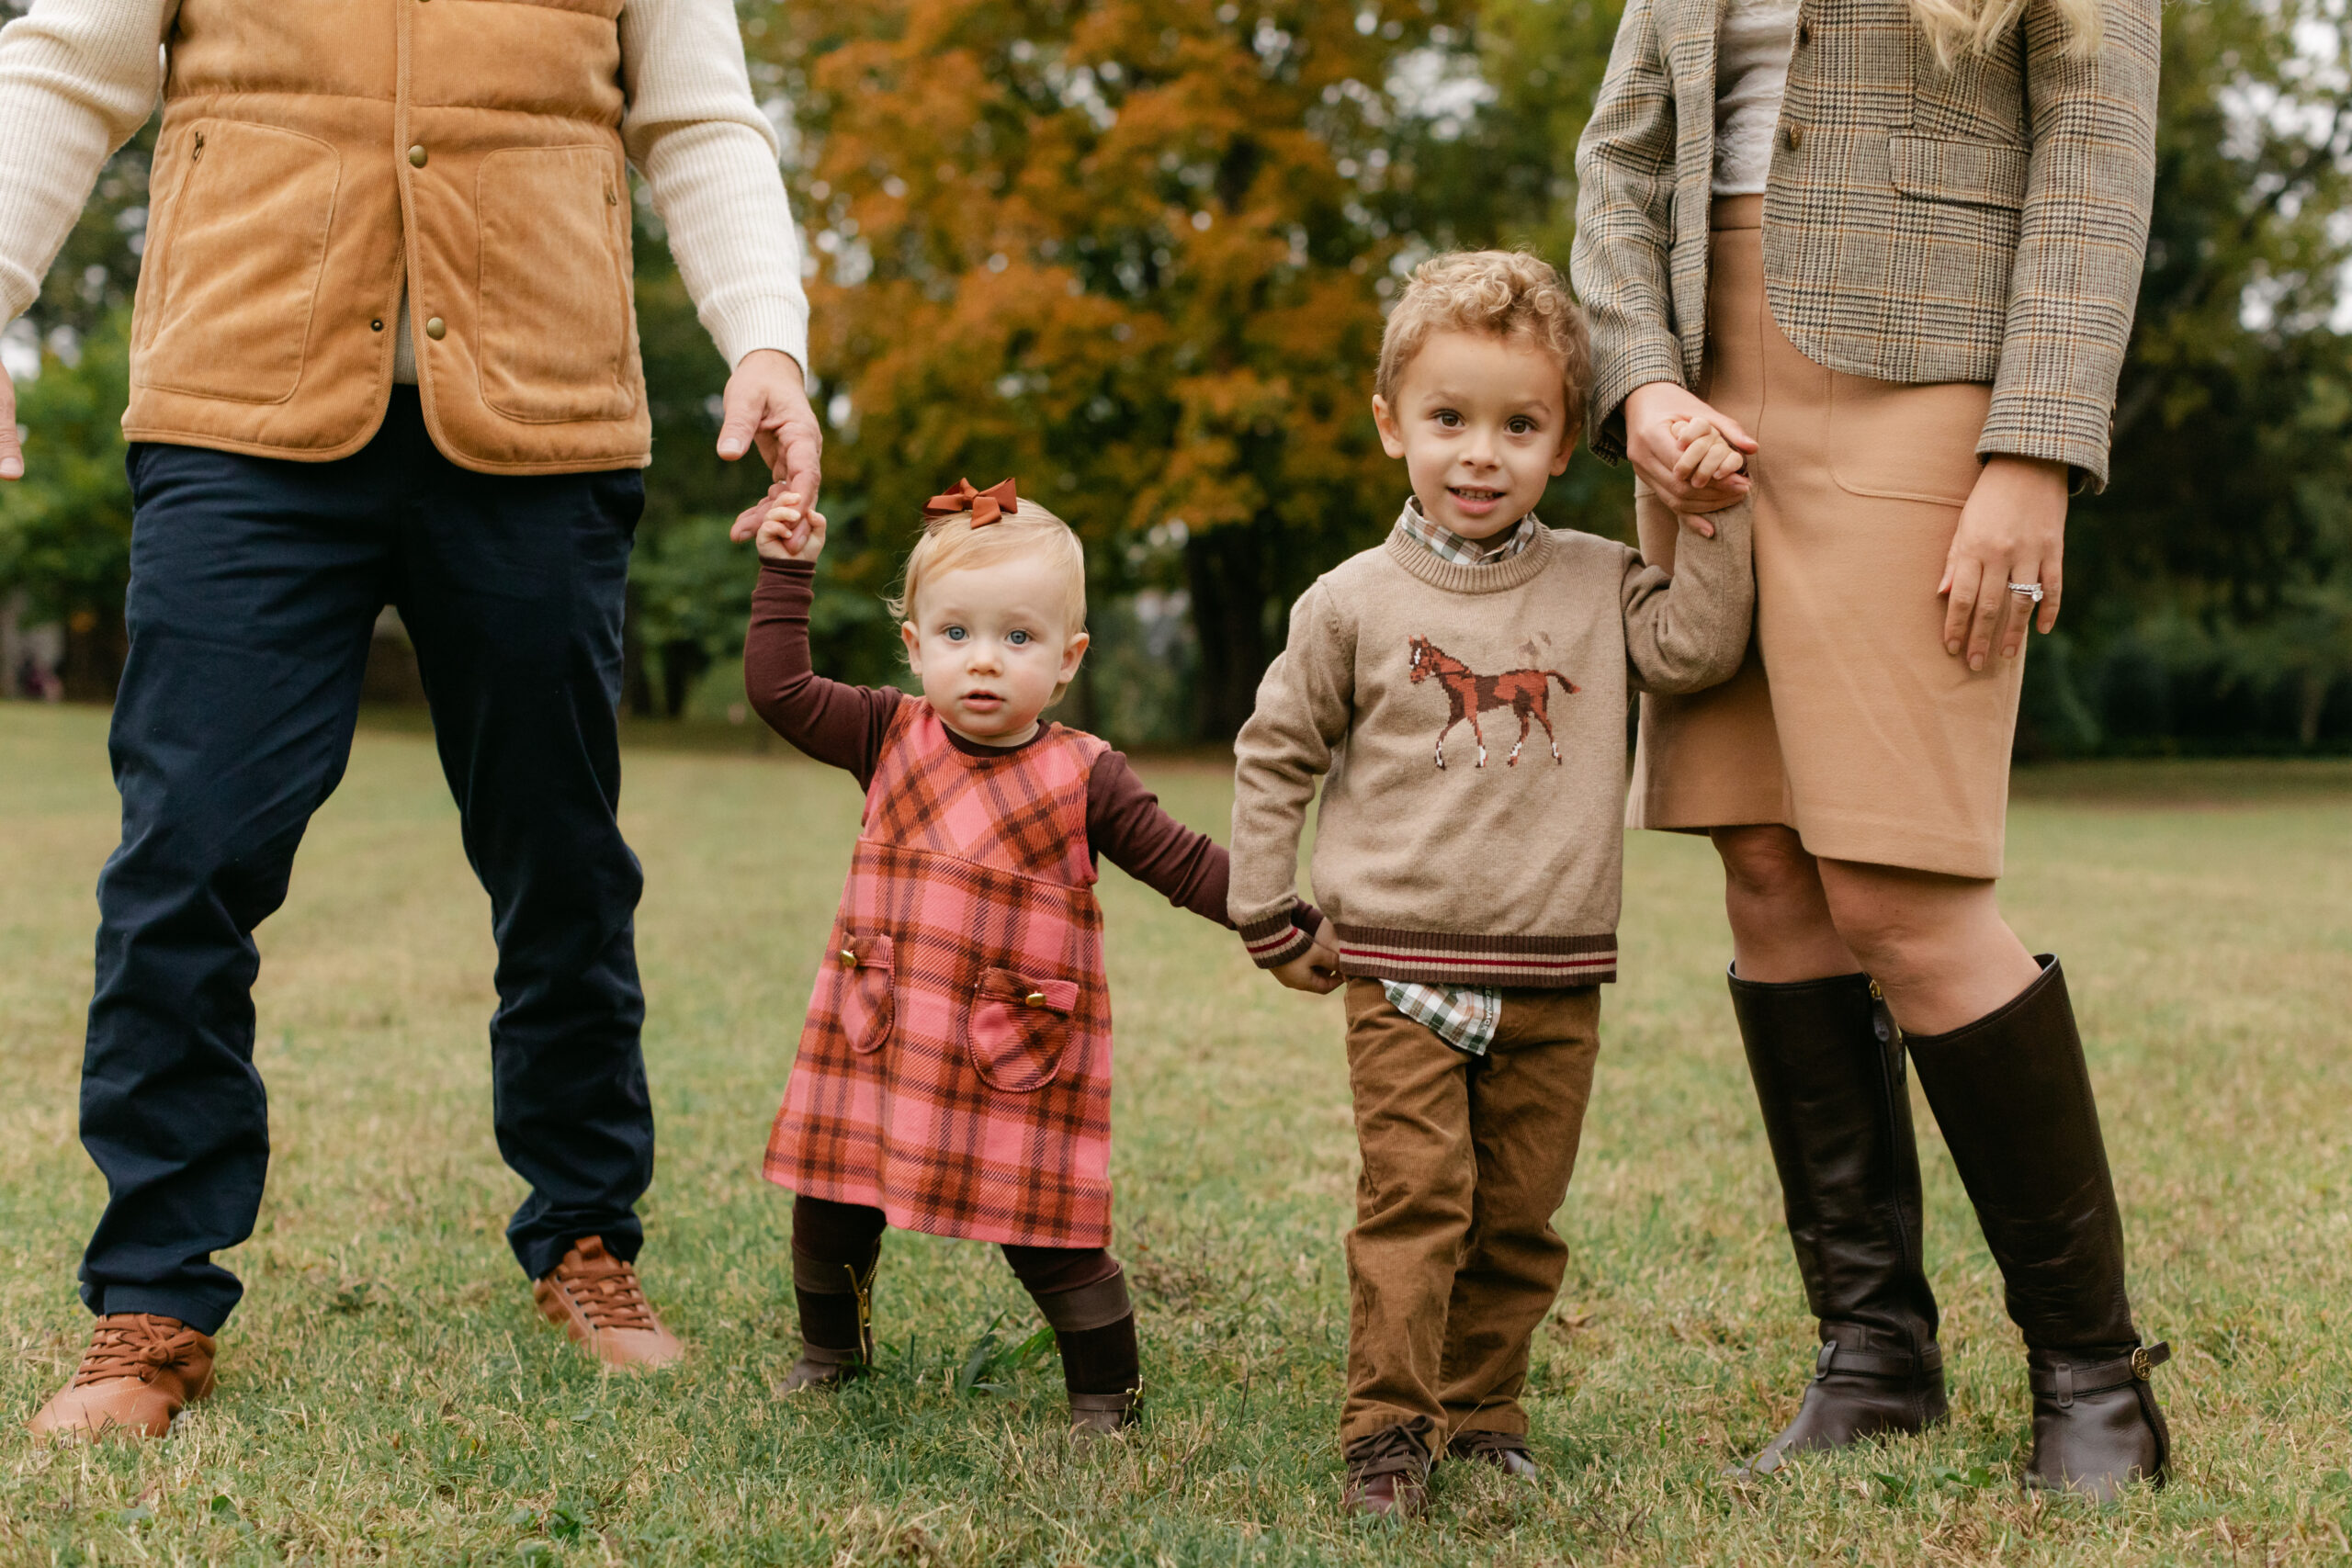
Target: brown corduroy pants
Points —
{"points": [[1453, 1261]]}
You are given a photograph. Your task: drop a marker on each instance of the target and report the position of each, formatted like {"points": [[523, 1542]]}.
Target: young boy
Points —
{"points": [[1462, 689]]}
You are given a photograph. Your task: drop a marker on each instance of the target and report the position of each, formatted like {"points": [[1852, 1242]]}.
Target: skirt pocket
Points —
{"points": [[1019, 1030], [862, 991]]}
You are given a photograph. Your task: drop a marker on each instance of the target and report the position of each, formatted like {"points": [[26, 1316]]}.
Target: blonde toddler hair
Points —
{"points": [[950, 543], [1505, 294]]}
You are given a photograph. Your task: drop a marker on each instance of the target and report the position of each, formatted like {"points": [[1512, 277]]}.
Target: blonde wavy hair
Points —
{"points": [[1505, 294], [1956, 28]]}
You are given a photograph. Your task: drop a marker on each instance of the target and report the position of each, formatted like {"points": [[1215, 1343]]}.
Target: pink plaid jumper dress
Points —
{"points": [[955, 1068]]}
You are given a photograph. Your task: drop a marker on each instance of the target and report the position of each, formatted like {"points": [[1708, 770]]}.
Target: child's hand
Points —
{"points": [[1315, 970], [1708, 458], [784, 532]]}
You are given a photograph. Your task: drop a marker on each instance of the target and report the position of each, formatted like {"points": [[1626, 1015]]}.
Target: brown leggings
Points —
{"points": [[1079, 1289]]}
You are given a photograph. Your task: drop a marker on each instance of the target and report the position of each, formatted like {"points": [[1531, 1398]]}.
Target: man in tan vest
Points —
{"points": [[384, 352]]}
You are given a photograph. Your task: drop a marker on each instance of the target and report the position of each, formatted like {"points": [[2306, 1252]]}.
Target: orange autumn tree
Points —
{"points": [[1133, 252]]}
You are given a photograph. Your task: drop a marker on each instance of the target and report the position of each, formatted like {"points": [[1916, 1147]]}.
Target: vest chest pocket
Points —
{"points": [[237, 253], [1019, 1030], [554, 285], [861, 975]]}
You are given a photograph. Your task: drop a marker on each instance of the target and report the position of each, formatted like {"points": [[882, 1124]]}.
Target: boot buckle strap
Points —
{"points": [[2063, 1380], [2148, 1357], [1841, 1358]]}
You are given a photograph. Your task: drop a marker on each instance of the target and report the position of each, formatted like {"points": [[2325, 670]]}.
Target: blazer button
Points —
{"points": [[437, 328], [417, 157], [1804, 33], [1796, 137]]}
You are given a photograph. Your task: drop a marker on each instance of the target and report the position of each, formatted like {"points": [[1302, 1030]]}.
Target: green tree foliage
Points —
{"points": [[65, 526]]}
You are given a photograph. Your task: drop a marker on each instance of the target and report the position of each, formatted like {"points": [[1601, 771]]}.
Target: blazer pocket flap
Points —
{"points": [[1056, 996], [1948, 168]]}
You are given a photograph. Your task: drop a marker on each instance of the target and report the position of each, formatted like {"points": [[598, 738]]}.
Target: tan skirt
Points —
{"points": [[1848, 723]]}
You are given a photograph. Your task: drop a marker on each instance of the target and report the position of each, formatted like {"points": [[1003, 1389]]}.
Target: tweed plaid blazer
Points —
{"points": [[1984, 223]]}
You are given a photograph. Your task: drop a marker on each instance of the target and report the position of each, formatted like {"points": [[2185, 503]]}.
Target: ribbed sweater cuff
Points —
{"points": [[743, 327], [1274, 941]]}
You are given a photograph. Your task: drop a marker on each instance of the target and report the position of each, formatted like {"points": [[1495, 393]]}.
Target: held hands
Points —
{"points": [[784, 530], [1690, 454], [1317, 969], [768, 406], [2012, 530]]}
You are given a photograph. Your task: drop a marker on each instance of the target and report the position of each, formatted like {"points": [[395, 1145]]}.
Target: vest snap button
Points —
{"points": [[377, 325], [437, 328], [417, 157]]}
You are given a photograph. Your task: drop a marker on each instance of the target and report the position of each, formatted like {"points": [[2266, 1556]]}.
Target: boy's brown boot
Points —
{"points": [[595, 1298], [1388, 1474], [1506, 1452], [137, 1374]]}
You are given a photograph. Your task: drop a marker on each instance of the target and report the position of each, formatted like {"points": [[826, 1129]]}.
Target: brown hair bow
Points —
{"points": [[986, 506]]}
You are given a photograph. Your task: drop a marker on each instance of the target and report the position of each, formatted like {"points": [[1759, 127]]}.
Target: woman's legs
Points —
{"points": [[1993, 1035], [1827, 1063]]}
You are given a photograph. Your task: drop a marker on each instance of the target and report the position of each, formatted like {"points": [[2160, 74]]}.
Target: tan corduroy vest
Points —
{"points": [[313, 156]]}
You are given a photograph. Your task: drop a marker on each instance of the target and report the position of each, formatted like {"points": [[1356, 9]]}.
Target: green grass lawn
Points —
{"points": [[387, 1393]]}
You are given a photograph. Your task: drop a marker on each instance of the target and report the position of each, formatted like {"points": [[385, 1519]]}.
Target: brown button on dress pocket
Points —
{"points": [[417, 157], [1035, 998], [437, 328]]}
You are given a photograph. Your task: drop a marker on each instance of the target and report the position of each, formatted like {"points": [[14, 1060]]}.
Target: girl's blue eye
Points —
{"points": [[953, 634], [1018, 640]]}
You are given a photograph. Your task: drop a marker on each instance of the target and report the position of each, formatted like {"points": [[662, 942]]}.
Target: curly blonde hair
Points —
{"points": [[1506, 294]]}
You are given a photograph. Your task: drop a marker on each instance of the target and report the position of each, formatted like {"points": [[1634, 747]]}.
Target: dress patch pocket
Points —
{"points": [[1019, 1030], [862, 968]]}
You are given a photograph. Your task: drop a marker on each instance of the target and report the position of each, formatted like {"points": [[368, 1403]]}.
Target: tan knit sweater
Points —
{"points": [[1469, 723]]}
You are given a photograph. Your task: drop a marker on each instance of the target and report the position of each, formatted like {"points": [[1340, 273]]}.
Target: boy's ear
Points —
{"points": [[1392, 436], [1560, 458]]}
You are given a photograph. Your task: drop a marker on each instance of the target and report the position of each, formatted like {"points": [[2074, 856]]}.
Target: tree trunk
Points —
{"points": [[1227, 575]]}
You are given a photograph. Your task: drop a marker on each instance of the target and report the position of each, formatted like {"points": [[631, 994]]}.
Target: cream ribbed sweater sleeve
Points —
{"points": [[709, 157], [78, 77]]}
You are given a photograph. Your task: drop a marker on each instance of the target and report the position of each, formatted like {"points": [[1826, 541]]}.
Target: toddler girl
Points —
{"points": [[954, 1075]]}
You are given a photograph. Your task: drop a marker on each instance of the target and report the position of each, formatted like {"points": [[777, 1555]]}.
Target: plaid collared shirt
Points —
{"points": [[1463, 1016]]}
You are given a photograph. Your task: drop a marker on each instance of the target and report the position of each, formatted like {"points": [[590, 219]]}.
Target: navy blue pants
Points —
{"points": [[254, 587]]}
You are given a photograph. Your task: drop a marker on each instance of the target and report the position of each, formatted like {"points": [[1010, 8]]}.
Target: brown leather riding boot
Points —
{"points": [[138, 1374], [1827, 1062], [2013, 1096], [1388, 1472], [836, 1303], [595, 1298]]}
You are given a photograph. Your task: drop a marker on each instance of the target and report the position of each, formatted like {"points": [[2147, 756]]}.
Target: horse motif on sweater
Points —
{"points": [[1469, 694]]}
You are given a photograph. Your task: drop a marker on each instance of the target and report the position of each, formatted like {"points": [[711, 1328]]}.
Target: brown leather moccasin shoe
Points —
{"points": [[1506, 1452], [1388, 1475], [138, 1374], [596, 1298]]}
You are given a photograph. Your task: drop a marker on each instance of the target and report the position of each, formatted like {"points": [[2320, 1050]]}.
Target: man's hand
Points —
{"points": [[786, 532], [1317, 969], [1656, 416], [768, 406], [12, 455], [2012, 530]]}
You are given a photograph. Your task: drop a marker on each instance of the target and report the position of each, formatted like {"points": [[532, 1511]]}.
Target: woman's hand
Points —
{"points": [[2012, 530], [1655, 415]]}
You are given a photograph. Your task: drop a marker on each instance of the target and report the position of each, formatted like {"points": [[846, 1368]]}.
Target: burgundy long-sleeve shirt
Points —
{"points": [[834, 722]]}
